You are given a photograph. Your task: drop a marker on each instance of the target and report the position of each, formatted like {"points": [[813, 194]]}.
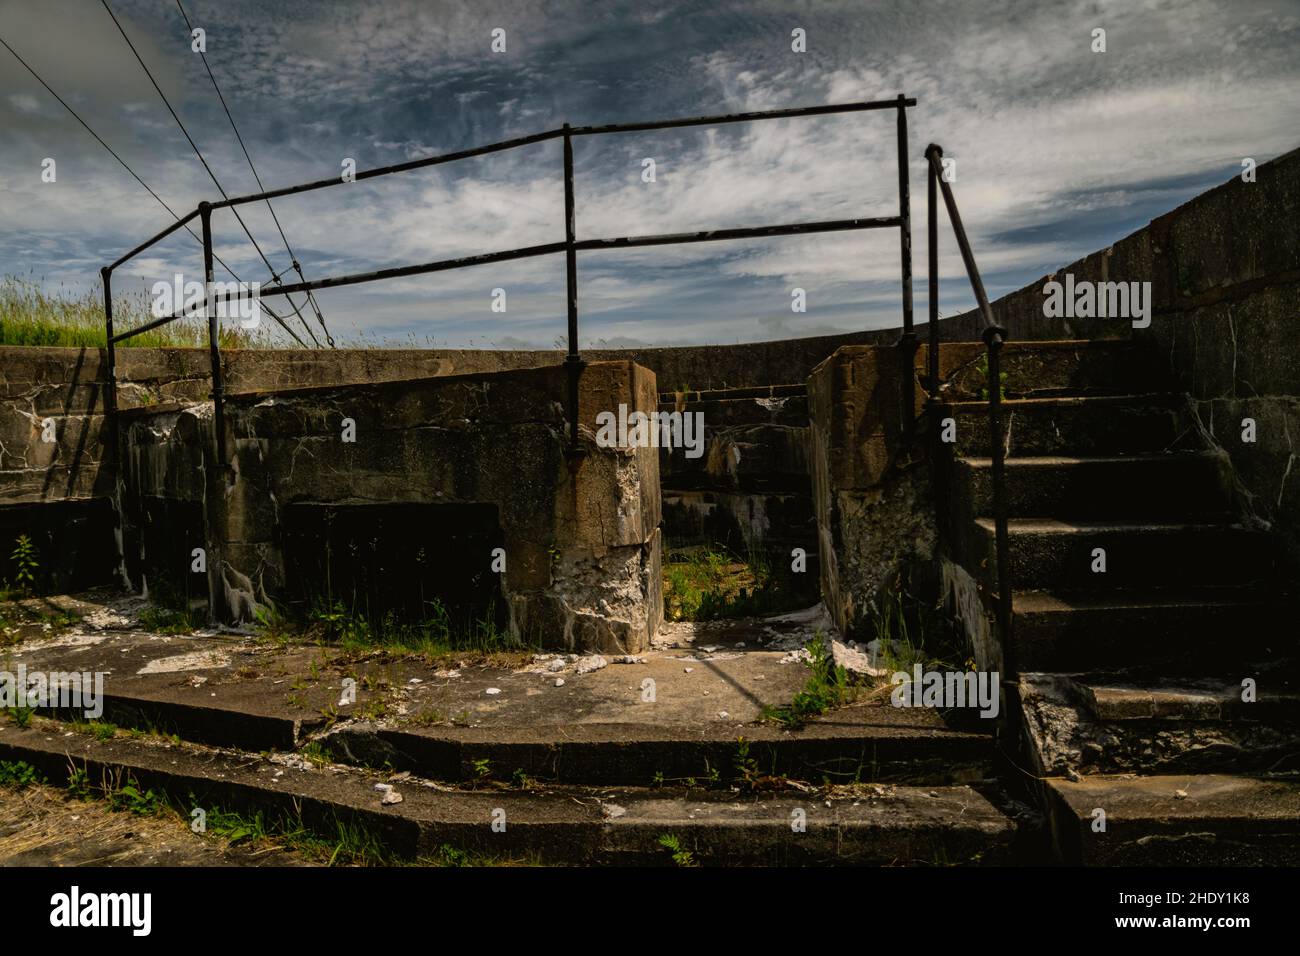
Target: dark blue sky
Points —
{"points": [[1060, 150]]}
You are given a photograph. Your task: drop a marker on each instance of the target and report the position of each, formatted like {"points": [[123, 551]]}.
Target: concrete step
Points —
{"points": [[1201, 820], [1075, 425], [1207, 700], [870, 743], [560, 825], [1054, 554], [1054, 368], [1190, 485], [1082, 630], [1154, 724]]}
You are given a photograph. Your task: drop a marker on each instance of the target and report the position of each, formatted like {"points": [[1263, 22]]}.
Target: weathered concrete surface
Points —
{"points": [[875, 517], [1113, 724], [676, 711], [880, 825], [580, 533], [1199, 820]]}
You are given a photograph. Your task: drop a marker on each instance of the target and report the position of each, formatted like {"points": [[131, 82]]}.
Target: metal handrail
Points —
{"points": [[570, 246], [994, 337]]}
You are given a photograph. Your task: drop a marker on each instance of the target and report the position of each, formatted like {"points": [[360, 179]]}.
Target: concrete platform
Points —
{"points": [[677, 712]]}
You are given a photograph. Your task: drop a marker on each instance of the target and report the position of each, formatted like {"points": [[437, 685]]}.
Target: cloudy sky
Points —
{"points": [[1060, 150]]}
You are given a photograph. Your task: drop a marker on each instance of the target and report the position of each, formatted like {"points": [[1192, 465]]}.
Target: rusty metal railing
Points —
{"points": [[570, 245], [994, 336]]}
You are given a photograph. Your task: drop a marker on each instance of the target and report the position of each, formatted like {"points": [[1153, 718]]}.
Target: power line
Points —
{"points": [[275, 278], [27, 66], [311, 299]]}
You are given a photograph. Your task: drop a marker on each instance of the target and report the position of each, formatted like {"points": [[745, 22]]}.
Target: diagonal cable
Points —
{"points": [[311, 299], [86, 126], [193, 145]]}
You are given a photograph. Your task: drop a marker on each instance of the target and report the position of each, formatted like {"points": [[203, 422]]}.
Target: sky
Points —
{"points": [[1060, 150]]}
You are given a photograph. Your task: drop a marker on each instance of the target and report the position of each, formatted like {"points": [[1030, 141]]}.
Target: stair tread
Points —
{"points": [[1249, 799], [1063, 526], [1068, 401], [1031, 602], [1027, 461]]}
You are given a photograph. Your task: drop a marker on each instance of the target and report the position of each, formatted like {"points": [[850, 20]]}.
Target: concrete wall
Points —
{"points": [[580, 532]]}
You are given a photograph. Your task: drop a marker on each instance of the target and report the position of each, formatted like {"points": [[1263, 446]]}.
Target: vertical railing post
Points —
{"points": [[993, 339], [932, 255], [110, 381], [908, 342], [572, 361], [214, 348]]}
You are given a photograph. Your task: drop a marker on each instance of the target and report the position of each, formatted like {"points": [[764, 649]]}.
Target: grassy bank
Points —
{"points": [[30, 315]]}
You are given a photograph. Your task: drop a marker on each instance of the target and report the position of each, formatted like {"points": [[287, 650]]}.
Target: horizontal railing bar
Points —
{"points": [[396, 273], [753, 232], [555, 133], [623, 242], [178, 224], [741, 117], [396, 168], [201, 310], [150, 326]]}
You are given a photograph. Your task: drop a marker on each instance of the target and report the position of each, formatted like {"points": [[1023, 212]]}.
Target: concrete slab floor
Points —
{"points": [[716, 673]]}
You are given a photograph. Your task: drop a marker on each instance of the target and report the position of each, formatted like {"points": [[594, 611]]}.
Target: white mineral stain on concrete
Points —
{"points": [[194, 660]]}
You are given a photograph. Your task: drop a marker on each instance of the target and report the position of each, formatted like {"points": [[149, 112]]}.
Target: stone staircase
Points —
{"points": [[1132, 677]]}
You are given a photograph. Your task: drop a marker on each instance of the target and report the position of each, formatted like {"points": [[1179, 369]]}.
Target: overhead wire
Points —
{"points": [[297, 267], [134, 175], [213, 176]]}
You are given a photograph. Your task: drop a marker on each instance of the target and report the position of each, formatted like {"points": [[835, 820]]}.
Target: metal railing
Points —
{"points": [[570, 245], [994, 336]]}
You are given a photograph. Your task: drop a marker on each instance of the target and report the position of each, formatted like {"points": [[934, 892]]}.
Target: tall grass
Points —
{"points": [[29, 315]]}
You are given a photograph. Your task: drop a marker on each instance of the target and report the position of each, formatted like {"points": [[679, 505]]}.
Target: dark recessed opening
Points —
{"points": [[169, 530], [398, 560], [73, 543]]}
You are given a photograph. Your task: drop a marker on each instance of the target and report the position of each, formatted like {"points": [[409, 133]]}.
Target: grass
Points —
{"points": [[434, 636], [707, 584], [827, 687], [29, 315], [901, 624], [19, 774]]}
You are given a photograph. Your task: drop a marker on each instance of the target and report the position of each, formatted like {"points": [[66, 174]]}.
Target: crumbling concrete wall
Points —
{"points": [[580, 533], [876, 513]]}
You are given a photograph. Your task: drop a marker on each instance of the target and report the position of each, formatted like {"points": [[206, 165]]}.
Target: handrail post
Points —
{"points": [[572, 361], [932, 254], [908, 342], [110, 380], [993, 338], [214, 347]]}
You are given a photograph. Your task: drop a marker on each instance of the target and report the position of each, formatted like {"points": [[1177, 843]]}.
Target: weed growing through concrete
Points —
{"points": [[827, 687], [681, 856]]}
